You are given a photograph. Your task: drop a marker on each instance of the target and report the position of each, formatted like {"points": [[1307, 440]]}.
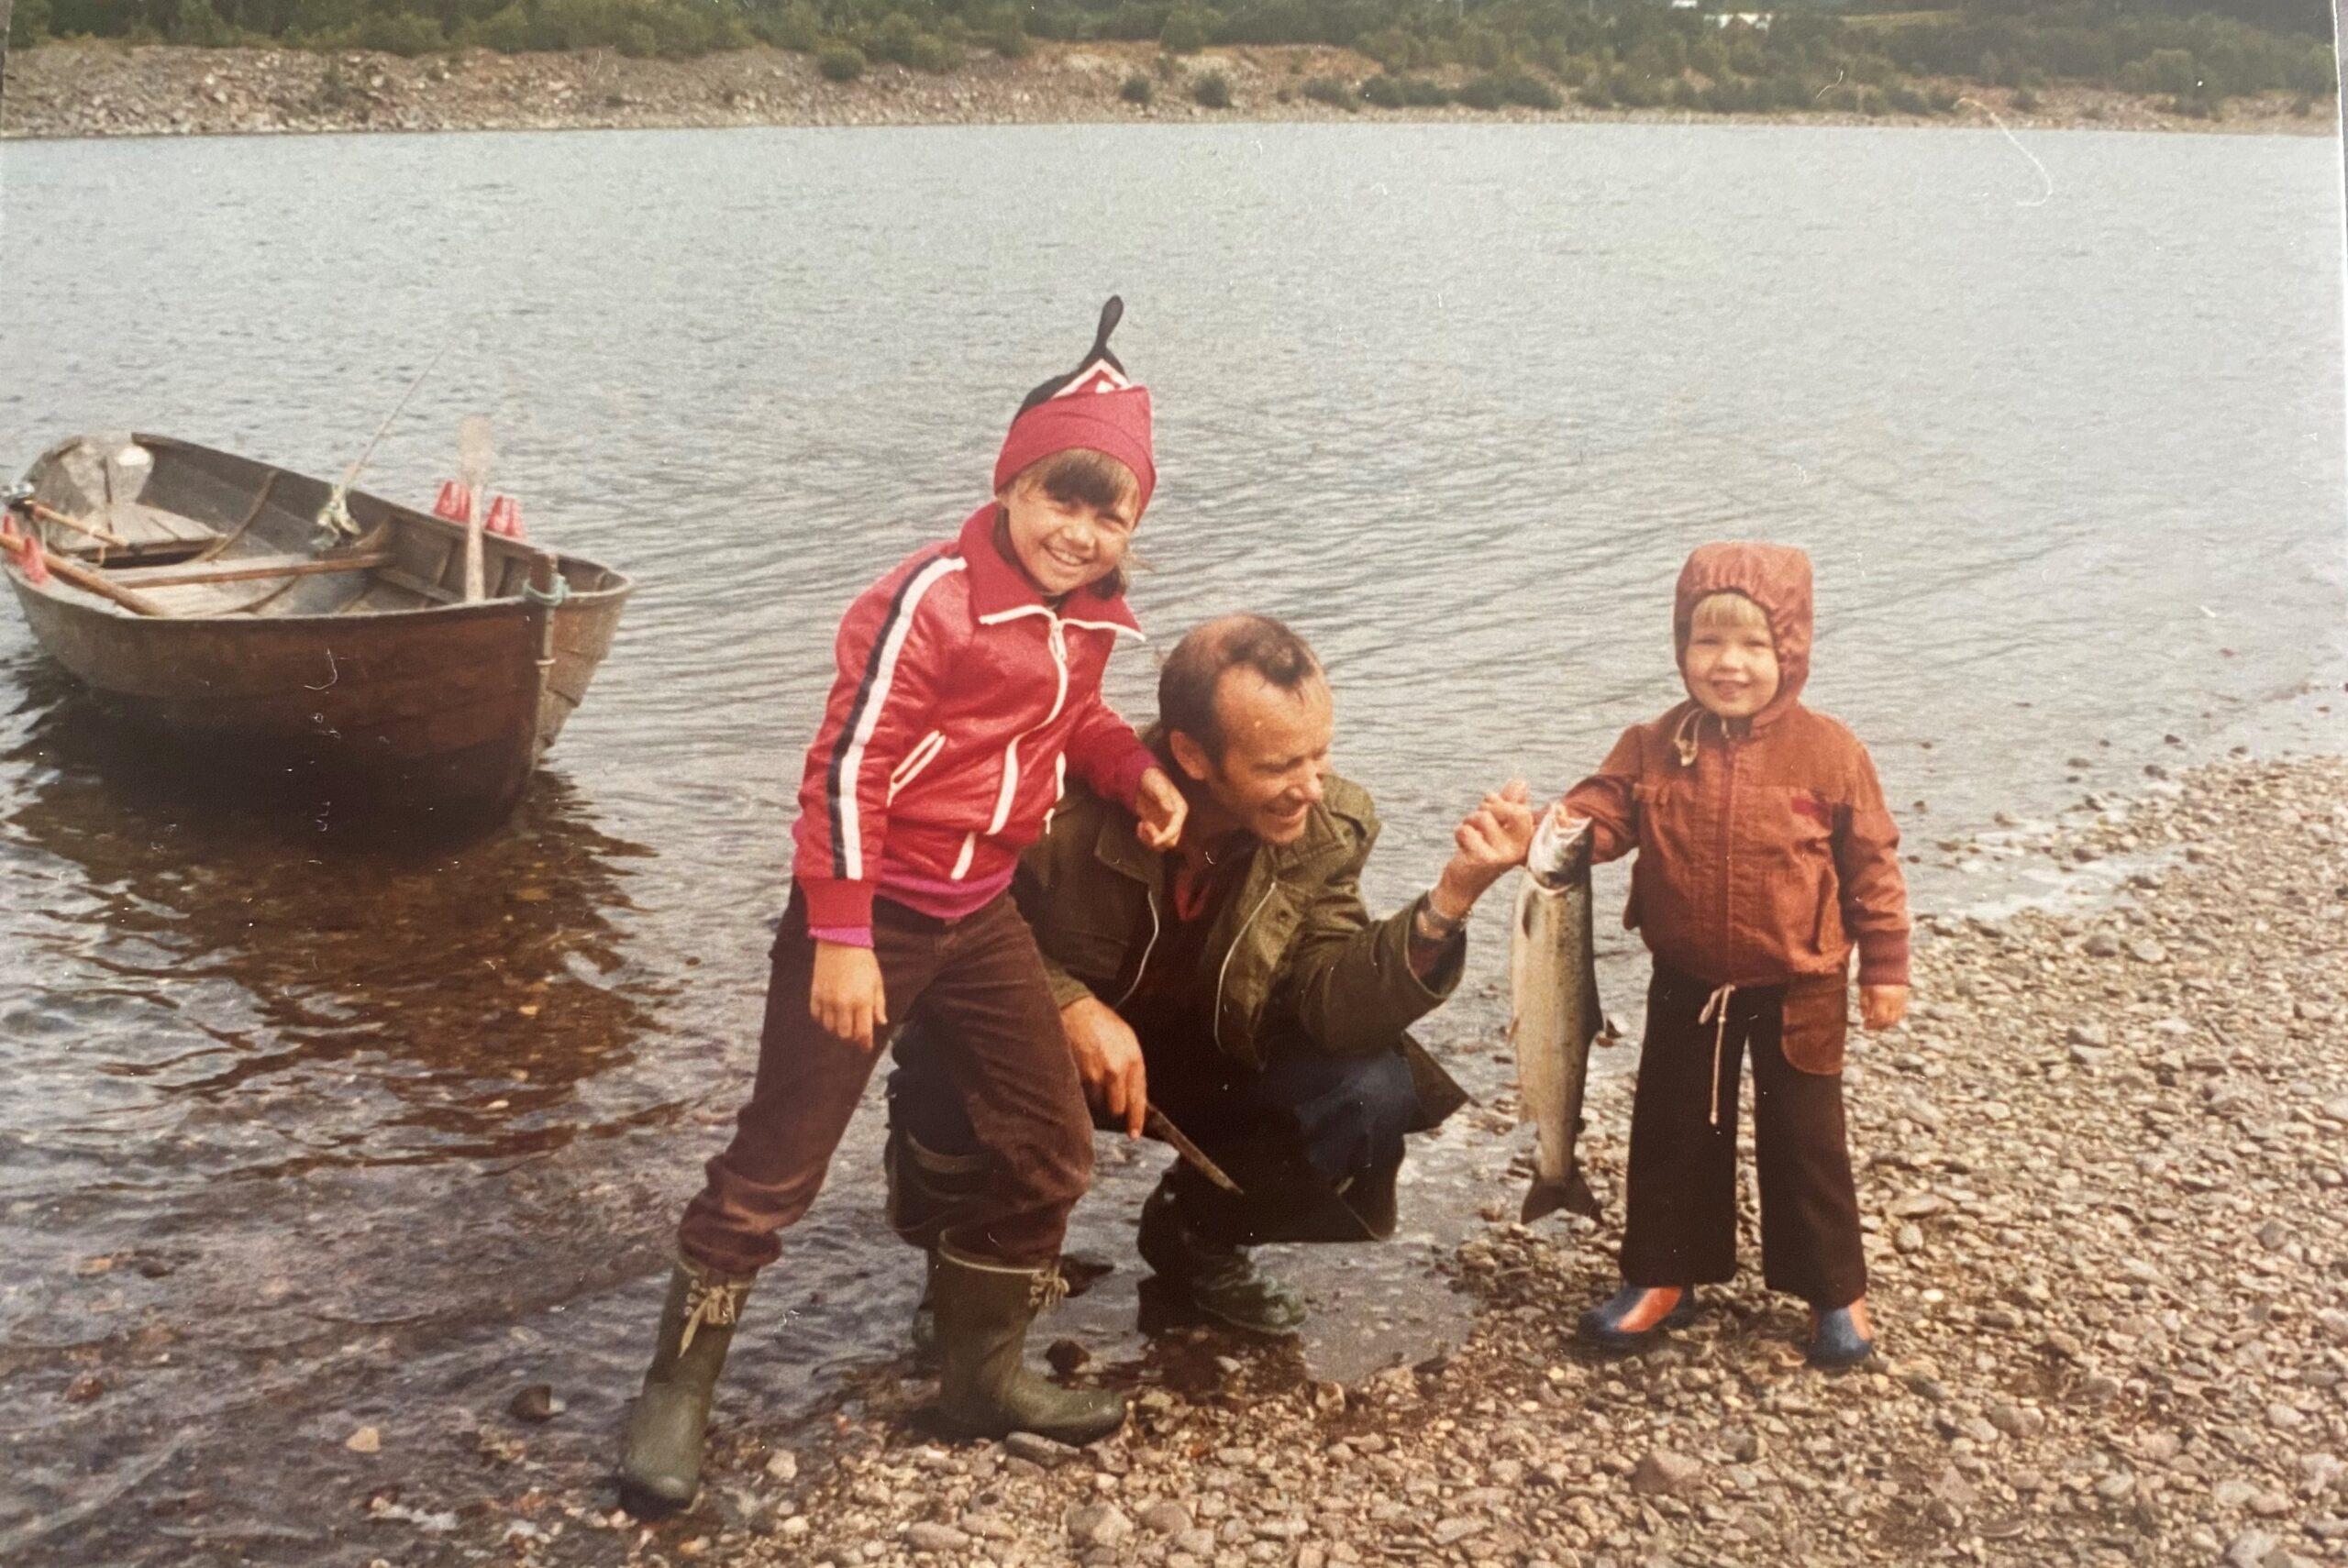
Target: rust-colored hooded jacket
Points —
{"points": [[1763, 858]]}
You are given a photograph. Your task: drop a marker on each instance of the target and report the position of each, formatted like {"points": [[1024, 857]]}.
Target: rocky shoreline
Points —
{"points": [[2102, 1171], [88, 90]]}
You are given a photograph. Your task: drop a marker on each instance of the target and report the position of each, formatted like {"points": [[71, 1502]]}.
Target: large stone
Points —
{"points": [[1097, 1524], [1662, 1473], [1166, 1517], [2251, 1549], [1037, 1450], [2017, 1421], [939, 1538]]}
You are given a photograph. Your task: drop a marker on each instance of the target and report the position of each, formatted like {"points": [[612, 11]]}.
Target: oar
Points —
{"points": [[475, 452]]}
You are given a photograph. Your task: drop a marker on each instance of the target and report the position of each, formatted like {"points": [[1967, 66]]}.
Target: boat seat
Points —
{"points": [[240, 568]]}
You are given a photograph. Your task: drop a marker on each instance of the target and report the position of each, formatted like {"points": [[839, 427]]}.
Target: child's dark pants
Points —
{"points": [[1681, 1225], [1008, 1063]]}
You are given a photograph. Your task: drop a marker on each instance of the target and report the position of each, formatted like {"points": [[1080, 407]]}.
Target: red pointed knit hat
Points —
{"points": [[1093, 406]]}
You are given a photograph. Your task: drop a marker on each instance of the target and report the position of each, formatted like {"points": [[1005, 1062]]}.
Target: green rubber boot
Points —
{"points": [[984, 1388], [1217, 1278], [928, 1191], [924, 1325], [662, 1470]]}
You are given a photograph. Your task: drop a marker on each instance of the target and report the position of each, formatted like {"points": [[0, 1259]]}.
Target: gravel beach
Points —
{"points": [[2102, 1171], [85, 90]]}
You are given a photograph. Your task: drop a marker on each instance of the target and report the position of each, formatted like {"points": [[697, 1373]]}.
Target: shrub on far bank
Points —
{"points": [[1212, 91], [840, 63], [1388, 90], [1495, 88], [1334, 91], [797, 26], [1906, 100], [1186, 33], [28, 23], [1137, 89]]}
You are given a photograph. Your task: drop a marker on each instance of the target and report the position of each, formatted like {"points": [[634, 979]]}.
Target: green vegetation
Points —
{"points": [[2193, 54], [1137, 89], [1334, 91], [1212, 91]]}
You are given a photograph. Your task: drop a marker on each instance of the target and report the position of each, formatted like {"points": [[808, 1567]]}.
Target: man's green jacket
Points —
{"points": [[1291, 960]]}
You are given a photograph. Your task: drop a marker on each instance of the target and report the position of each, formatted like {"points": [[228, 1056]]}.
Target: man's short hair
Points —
{"points": [[1193, 672]]}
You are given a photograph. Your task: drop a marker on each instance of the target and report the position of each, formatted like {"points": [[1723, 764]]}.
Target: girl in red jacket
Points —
{"points": [[1766, 856], [968, 686]]}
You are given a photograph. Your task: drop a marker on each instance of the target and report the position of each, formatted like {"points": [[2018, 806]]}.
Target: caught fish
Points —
{"points": [[1553, 980]]}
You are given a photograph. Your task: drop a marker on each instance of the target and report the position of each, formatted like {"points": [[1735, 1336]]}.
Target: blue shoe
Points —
{"points": [[1839, 1336], [1637, 1315]]}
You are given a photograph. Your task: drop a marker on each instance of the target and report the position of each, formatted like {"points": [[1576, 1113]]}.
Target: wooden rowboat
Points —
{"points": [[199, 592]]}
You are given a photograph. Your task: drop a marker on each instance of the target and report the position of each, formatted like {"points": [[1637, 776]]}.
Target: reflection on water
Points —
{"points": [[282, 953], [229, 1029]]}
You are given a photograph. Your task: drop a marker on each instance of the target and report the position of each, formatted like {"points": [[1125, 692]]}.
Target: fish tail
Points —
{"points": [[1568, 1192]]}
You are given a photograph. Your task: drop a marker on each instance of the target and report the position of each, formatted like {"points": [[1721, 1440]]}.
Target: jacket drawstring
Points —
{"points": [[1683, 739], [1716, 1014]]}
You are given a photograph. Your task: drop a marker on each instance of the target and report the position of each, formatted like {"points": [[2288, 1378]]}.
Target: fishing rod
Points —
{"points": [[334, 517]]}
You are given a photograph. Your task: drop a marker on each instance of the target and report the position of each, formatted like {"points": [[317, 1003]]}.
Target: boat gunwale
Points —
{"points": [[57, 591]]}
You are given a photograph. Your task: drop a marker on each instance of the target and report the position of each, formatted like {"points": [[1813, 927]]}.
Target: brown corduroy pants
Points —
{"points": [[1007, 1059], [1680, 1227]]}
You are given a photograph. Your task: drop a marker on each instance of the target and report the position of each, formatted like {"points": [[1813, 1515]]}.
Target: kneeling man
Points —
{"points": [[1236, 983]]}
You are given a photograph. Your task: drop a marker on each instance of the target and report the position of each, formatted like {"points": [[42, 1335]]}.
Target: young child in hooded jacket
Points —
{"points": [[1765, 855], [968, 685]]}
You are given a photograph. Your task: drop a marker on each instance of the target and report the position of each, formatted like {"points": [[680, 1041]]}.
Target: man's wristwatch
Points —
{"points": [[1433, 925]]}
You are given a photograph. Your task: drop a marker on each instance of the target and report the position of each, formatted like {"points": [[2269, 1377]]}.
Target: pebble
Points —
{"points": [[1166, 1517], [2251, 1549], [936, 1538], [536, 1403], [1662, 1473], [366, 1440], [1038, 1450], [1098, 1524]]}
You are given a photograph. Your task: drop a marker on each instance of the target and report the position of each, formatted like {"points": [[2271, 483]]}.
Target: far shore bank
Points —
{"points": [[63, 91]]}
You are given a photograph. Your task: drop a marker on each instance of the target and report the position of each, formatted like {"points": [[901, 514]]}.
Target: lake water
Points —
{"points": [[301, 1133]]}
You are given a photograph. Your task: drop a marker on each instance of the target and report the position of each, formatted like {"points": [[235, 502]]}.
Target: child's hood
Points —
{"points": [[1775, 577]]}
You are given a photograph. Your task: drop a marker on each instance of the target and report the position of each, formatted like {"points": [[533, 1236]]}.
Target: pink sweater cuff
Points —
{"points": [[834, 904], [843, 936]]}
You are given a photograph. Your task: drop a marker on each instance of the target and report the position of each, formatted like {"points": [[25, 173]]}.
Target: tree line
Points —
{"points": [[1634, 53]]}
